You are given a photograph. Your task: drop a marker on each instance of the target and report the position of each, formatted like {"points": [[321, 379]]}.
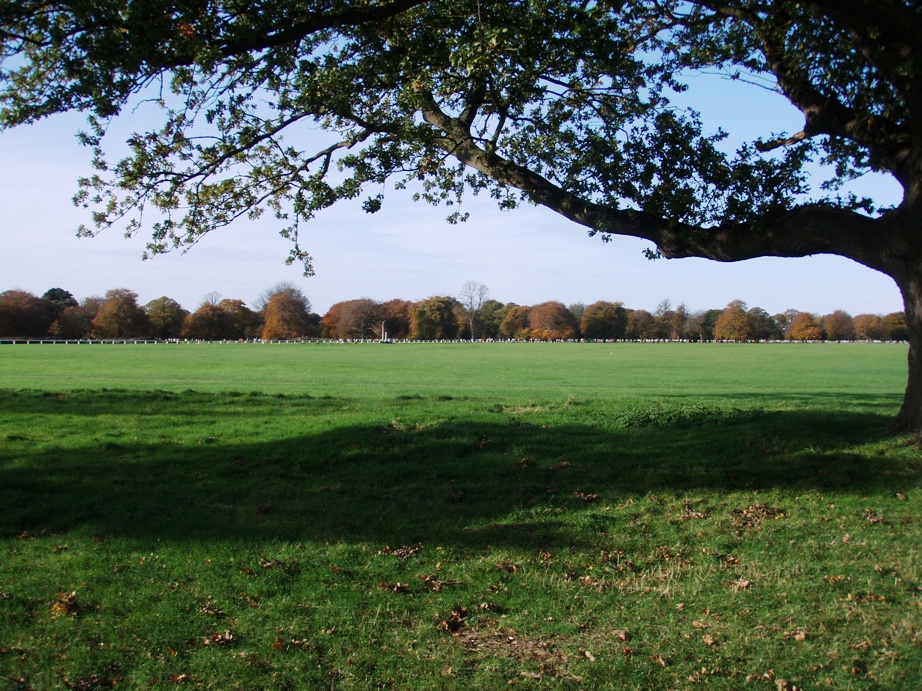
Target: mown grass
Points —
{"points": [[661, 517]]}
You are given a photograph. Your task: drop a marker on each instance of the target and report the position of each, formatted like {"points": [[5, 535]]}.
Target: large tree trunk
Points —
{"points": [[909, 419]]}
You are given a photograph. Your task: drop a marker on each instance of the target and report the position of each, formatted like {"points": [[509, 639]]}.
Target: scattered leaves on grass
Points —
{"points": [[25, 535], [65, 604], [797, 635], [900, 496], [507, 566], [621, 634], [435, 585], [455, 620], [93, 682], [401, 588], [507, 643], [691, 515], [740, 584], [586, 497], [218, 638], [871, 516], [751, 517], [401, 552], [211, 609], [709, 640], [180, 679]]}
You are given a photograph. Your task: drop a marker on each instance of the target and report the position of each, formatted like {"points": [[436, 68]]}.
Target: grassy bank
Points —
{"points": [[425, 516]]}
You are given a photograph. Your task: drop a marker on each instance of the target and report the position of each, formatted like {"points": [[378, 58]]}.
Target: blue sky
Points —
{"points": [[408, 250]]}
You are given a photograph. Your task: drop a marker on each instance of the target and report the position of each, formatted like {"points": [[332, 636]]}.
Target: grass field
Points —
{"points": [[651, 516]]}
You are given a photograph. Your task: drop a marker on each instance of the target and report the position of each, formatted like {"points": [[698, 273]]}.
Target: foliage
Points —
{"points": [[604, 320], [354, 319], [286, 316], [762, 326], [24, 315], [804, 327], [551, 321], [60, 300], [839, 326], [869, 327], [516, 322], [166, 317], [397, 318], [642, 325], [120, 316], [895, 326], [434, 319], [77, 322], [733, 323]]}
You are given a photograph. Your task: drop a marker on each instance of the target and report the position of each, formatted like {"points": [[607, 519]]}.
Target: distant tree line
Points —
{"points": [[284, 312]]}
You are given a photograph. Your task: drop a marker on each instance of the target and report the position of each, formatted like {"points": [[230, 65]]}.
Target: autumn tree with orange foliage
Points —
{"points": [[804, 327], [286, 315], [552, 321], [120, 316], [397, 318], [869, 327], [733, 324], [353, 319], [839, 326]]}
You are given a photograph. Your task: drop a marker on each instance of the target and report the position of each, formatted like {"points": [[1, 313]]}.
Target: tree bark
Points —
{"points": [[909, 419]]}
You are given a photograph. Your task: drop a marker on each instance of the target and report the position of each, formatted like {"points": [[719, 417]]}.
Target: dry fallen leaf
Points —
{"points": [[65, 604]]}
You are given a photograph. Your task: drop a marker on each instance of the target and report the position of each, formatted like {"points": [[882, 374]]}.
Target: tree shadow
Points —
{"points": [[489, 480]]}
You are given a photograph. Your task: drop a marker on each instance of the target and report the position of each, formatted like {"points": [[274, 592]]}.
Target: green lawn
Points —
{"points": [[662, 516]]}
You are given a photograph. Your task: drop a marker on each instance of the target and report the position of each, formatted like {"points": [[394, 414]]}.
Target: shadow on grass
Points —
{"points": [[488, 479]]}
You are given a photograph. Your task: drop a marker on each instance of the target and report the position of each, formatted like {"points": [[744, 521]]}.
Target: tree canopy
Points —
{"points": [[573, 105]]}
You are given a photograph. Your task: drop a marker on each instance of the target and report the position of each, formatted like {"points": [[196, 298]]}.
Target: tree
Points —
{"points": [[286, 315], [471, 299], [804, 327], [120, 316], [245, 323], [896, 327], [24, 315], [59, 299], [604, 320], [762, 326], [641, 325], [166, 317], [491, 317], [552, 321], [571, 105], [516, 322], [869, 327], [77, 322], [356, 319], [434, 319], [211, 322], [839, 326], [397, 318], [733, 323]]}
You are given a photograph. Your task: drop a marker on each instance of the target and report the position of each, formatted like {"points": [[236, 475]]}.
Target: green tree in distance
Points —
{"points": [[571, 105]]}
